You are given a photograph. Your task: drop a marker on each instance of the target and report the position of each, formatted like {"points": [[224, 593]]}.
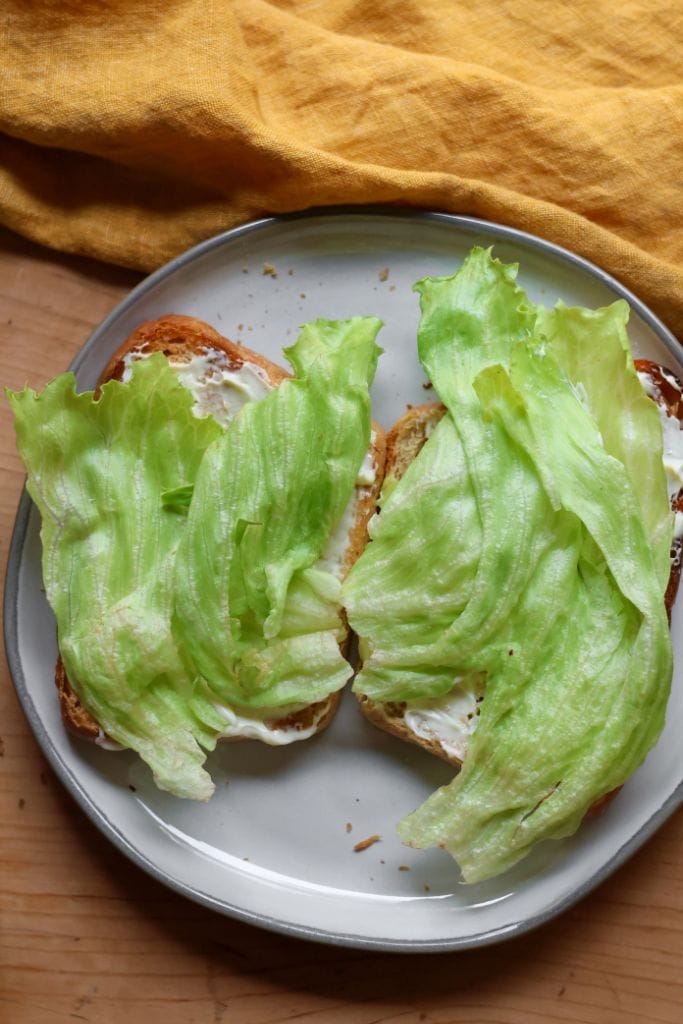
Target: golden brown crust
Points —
{"points": [[404, 442], [323, 711], [180, 338], [408, 435], [367, 496], [74, 715]]}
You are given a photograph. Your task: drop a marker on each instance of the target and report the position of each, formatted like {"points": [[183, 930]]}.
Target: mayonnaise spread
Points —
{"points": [[672, 437], [253, 725], [102, 740], [218, 389], [450, 720]]}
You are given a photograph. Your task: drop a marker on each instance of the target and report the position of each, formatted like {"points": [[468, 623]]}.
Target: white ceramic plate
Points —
{"points": [[273, 845]]}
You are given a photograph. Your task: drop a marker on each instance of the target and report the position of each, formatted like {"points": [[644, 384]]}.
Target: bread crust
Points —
{"points": [[180, 338], [408, 436], [404, 442]]}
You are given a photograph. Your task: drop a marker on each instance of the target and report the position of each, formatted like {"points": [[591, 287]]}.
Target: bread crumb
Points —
{"points": [[349, 826], [382, 861], [392, 288], [365, 843], [384, 274], [408, 406], [240, 327], [403, 867], [290, 272], [132, 788], [427, 385], [269, 270], [245, 270], [426, 888], [302, 295]]}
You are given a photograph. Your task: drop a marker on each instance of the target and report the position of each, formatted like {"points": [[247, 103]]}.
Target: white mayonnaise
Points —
{"points": [[253, 725], [102, 740], [672, 437], [368, 470], [678, 525], [450, 720], [218, 389]]}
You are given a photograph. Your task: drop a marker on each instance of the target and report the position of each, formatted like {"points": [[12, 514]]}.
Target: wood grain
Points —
{"points": [[85, 936]]}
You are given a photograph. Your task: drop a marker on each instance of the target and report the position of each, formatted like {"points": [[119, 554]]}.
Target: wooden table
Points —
{"points": [[88, 937]]}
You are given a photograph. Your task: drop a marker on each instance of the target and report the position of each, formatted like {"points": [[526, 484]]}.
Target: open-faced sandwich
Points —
{"points": [[204, 527], [199, 512], [511, 602]]}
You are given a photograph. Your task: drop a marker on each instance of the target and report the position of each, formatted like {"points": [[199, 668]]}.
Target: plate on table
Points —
{"points": [[275, 845]]}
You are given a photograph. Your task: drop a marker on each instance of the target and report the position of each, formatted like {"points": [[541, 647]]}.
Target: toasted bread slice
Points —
{"points": [[404, 442], [189, 343]]}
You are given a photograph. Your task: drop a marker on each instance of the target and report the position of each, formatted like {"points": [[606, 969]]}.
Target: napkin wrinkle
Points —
{"points": [[131, 130]]}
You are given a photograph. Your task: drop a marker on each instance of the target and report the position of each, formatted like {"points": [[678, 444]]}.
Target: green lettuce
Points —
{"points": [[538, 516], [246, 570], [151, 513], [96, 470]]}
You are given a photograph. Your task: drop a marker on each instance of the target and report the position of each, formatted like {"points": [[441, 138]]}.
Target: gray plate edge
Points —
{"points": [[11, 626]]}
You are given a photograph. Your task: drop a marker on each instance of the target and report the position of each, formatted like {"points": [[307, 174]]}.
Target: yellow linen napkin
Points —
{"points": [[131, 129]]}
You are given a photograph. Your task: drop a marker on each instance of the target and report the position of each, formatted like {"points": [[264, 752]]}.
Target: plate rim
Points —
{"points": [[68, 778]]}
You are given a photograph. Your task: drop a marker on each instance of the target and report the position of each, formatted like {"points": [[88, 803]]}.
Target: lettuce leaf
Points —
{"points": [[122, 478], [96, 470], [555, 510], [592, 347], [253, 615]]}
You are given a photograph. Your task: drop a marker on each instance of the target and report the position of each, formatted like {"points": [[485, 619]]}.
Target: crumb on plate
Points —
{"points": [[365, 843]]}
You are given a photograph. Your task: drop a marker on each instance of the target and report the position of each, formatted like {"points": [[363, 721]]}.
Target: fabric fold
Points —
{"points": [[129, 132]]}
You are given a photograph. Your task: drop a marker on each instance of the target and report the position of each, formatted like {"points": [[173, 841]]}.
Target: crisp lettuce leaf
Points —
{"points": [[253, 615], [118, 481], [96, 471], [592, 347], [472, 490], [555, 571]]}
